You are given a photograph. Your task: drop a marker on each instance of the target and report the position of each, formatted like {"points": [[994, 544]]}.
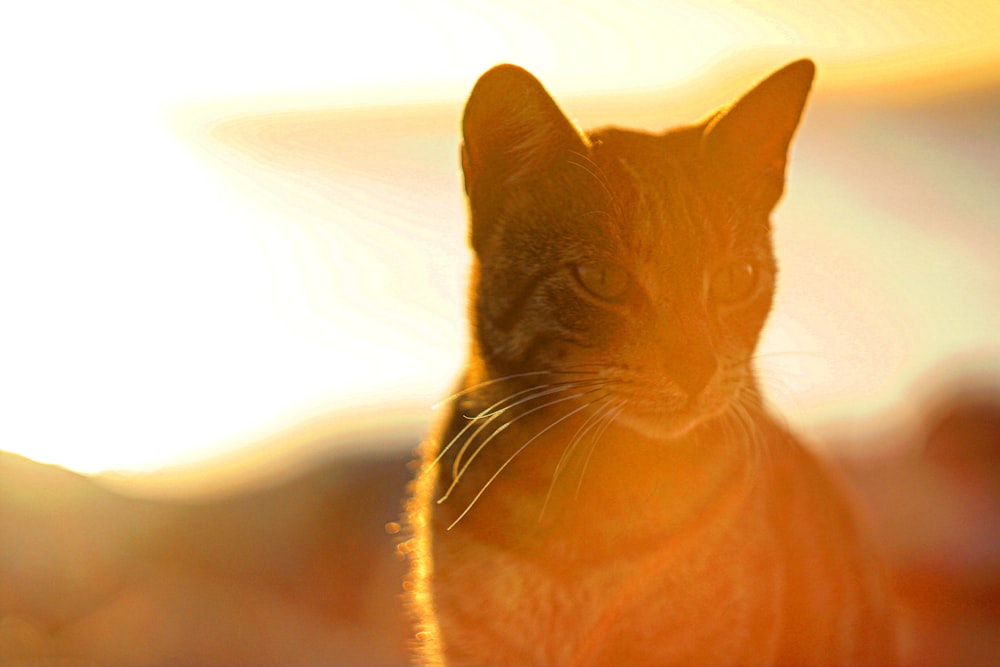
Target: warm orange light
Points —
{"points": [[155, 313]]}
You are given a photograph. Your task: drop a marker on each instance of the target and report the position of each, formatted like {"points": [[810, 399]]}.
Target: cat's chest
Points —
{"points": [[549, 611]]}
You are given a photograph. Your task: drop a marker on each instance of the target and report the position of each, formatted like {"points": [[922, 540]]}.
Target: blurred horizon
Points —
{"points": [[224, 223]]}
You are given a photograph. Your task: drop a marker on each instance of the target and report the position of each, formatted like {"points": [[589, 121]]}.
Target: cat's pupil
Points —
{"points": [[733, 283], [605, 280]]}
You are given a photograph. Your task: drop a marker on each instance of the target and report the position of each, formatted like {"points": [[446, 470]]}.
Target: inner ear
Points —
{"points": [[749, 140], [512, 130]]}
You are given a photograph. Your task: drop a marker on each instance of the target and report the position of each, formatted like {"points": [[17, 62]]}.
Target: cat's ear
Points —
{"points": [[748, 141], [512, 129]]}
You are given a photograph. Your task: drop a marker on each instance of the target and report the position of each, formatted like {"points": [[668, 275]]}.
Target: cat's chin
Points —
{"points": [[657, 425]]}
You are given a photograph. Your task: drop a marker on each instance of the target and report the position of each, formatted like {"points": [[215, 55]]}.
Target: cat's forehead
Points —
{"points": [[661, 169], [669, 195], [646, 150]]}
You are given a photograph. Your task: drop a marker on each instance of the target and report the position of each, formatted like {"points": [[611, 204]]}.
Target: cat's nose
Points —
{"points": [[694, 370], [689, 356]]}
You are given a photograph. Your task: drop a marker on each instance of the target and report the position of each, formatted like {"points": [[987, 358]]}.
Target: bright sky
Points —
{"points": [[158, 307]]}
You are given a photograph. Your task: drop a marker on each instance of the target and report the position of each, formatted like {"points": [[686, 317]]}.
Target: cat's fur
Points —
{"points": [[607, 488]]}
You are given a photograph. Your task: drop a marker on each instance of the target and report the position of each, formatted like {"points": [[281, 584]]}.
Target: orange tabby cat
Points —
{"points": [[607, 488]]}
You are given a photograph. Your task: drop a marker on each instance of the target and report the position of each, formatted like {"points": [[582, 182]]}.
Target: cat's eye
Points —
{"points": [[605, 280], [733, 283]]}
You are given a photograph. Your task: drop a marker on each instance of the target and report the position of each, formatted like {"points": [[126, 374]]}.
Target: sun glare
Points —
{"points": [[304, 251]]}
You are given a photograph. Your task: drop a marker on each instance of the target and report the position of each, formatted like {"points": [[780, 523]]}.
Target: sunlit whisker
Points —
{"points": [[520, 449], [457, 478], [480, 385], [591, 421], [747, 426], [727, 424], [515, 376], [543, 390], [492, 413], [611, 416], [581, 432], [775, 381], [733, 422], [482, 426], [493, 410], [744, 417], [520, 398], [472, 422]]}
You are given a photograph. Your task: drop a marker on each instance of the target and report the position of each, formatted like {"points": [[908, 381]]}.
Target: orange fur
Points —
{"points": [[607, 487]]}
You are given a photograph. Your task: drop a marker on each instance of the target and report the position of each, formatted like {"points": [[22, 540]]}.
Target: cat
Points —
{"points": [[606, 487]]}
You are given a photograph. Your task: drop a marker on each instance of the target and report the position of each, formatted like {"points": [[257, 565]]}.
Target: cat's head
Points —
{"points": [[639, 264]]}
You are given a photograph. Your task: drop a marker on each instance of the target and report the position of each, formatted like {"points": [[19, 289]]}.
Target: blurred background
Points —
{"points": [[232, 235], [221, 219]]}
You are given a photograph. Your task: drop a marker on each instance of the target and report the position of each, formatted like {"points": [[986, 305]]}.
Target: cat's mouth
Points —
{"points": [[671, 420]]}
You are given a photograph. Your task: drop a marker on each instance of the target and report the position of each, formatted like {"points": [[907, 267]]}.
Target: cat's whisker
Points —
{"points": [[592, 420], [513, 456], [743, 408], [732, 417], [494, 411], [487, 383], [778, 380], [610, 418], [508, 402], [472, 422], [777, 387], [458, 477], [777, 376], [458, 472], [482, 425], [581, 432], [752, 367], [543, 390], [738, 433], [746, 425], [726, 423]]}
